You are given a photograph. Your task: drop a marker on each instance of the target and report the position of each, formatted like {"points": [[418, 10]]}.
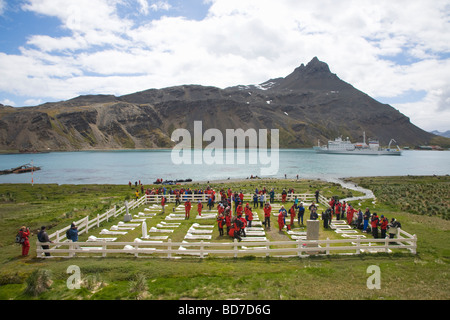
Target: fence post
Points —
{"points": [[414, 249], [71, 247], [386, 243], [235, 248], [87, 224], [38, 249], [136, 247], [98, 220], [328, 246], [299, 248], [104, 248]]}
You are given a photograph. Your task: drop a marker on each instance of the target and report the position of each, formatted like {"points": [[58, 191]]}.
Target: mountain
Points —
{"points": [[309, 104], [442, 134]]}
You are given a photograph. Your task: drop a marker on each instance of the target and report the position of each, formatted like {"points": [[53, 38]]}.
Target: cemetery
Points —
{"points": [[141, 228]]}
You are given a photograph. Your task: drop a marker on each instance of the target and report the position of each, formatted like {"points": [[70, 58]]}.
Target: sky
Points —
{"points": [[397, 52]]}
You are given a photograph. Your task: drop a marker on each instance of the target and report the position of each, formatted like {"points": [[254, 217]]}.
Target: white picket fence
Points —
{"points": [[85, 224], [169, 249]]}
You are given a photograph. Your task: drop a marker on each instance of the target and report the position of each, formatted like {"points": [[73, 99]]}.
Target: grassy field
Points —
{"points": [[423, 276]]}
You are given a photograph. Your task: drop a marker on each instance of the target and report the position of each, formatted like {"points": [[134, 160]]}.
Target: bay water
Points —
{"points": [[121, 167]]}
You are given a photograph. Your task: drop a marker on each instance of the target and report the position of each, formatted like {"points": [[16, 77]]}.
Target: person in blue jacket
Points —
{"points": [[72, 233], [301, 212]]}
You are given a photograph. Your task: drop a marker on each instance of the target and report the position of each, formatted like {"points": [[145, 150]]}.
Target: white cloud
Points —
{"points": [[33, 102], [2, 6], [144, 6], [239, 42], [82, 16], [7, 102], [160, 5]]}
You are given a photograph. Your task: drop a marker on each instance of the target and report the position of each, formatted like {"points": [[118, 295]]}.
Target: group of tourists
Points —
{"points": [[366, 222], [23, 238], [241, 216], [296, 210]]}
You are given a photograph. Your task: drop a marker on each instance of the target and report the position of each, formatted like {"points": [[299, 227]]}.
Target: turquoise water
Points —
{"points": [[119, 167]]}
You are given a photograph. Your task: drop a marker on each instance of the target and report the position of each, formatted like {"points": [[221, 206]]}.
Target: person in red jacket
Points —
{"points": [[187, 209], [374, 222], [281, 220], [220, 223], [236, 229], [220, 208], [283, 196], [267, 213], [350, 212], [24, 234], [239, 210], [292, 213], [246, 210], [228, 219], [249, 217], [331, 203], [383, 226], [242, 224], [337, 210], [199, 207], [163, 203]]}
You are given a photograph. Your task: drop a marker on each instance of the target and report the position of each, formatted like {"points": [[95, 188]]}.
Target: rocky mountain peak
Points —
{"points": [[316, 75]]}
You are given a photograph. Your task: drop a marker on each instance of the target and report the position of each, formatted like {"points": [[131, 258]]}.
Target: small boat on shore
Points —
{"points": [[21, 169], [340, 146]]}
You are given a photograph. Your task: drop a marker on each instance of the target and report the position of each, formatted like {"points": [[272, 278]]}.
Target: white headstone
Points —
{"points": [[144, 230]]}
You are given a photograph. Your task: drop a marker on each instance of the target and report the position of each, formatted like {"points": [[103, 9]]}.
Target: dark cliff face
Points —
{"points": [[309, 104]]}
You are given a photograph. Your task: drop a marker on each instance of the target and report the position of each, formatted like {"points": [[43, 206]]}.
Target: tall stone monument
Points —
{"points": [[127, 217], [312, 233]]}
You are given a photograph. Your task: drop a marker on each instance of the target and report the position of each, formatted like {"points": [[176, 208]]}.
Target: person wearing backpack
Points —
{"points": [[24, 241], [72, 233], [43, 237]]}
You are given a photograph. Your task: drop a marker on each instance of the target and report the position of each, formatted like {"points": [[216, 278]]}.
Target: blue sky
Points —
{"points": [[396, 51]]}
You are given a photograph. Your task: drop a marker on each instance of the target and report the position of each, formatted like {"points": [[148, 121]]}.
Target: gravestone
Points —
{"points": [[144, 230], [127, 217], [312, 233]]}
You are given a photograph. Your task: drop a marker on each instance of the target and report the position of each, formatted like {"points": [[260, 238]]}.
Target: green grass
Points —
{"points": [[403, 276]]}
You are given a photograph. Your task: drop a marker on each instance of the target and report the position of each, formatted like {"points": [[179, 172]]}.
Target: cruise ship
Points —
{"points": [[340, 146]]}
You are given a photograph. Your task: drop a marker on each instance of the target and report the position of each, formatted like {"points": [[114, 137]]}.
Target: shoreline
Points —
{"points": [[241, 180], [344, 182]]}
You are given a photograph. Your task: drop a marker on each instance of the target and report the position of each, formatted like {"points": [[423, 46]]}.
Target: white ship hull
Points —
{"points": [[389, 152], [340, 146]]}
